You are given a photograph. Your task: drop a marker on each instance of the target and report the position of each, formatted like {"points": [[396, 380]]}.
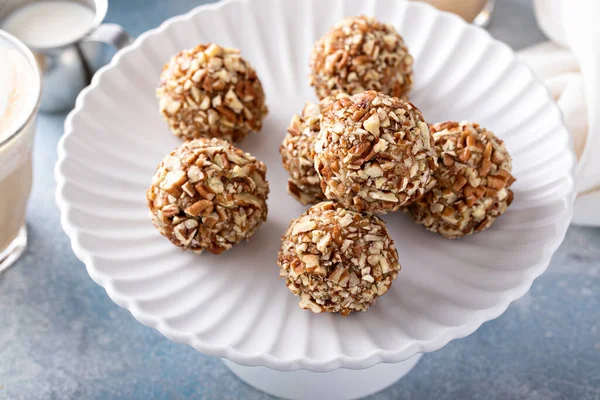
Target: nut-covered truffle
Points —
{"points": [[473, 181], [337, 260], [361, 54], [208, 195], [298, 149], [297, 152], [211, 91], [374, 153]]}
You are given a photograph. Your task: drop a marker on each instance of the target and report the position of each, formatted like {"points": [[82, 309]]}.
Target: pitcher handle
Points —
{"points": [[111, 34]]}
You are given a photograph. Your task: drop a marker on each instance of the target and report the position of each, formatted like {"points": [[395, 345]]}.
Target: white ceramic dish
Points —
{"points": [[234, 305]]}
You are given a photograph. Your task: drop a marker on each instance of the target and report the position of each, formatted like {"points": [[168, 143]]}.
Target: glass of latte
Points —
{"points": [[19, 98]]}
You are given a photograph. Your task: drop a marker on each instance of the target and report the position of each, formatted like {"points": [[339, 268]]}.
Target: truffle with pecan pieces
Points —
{"points": [[337, 260], [473, 181], [361, 54], [208, 195], [374, 153], [211, 91], [298, 149]]}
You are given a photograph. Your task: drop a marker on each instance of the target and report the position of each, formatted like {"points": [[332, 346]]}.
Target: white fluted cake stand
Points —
{"points": [[342, 383], [234, 305]]}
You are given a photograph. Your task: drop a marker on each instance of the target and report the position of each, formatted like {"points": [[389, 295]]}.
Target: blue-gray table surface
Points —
{"points": [[62, 338]]}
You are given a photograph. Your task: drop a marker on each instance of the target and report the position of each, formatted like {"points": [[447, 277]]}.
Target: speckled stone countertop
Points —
{"points": [[62, 338]]}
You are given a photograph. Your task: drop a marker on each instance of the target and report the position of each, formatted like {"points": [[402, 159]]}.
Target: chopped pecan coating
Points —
{"points": [[361, 54], [208, 195], [473, 182], [298, 150], [211, 91], [337, 260], [374, 153]]}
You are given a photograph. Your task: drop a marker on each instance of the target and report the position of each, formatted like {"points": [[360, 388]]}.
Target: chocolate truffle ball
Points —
{"points": [[298, 149], [208, 195], [472, 183], [211, 91], [374, 153], [361, 54], [337, 260]]}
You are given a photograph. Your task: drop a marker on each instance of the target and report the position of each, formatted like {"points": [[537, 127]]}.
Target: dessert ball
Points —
{"points": [[374, 153], [211, 91], [337, 260], [473, 181], [361, 54], [208, 195], [297, 152], [298, 149]]}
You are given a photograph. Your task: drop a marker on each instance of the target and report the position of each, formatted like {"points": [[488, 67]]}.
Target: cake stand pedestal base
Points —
{"points": [[341, 384]]}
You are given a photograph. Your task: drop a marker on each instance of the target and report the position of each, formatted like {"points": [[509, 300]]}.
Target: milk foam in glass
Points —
{"points": [[19, 94]]}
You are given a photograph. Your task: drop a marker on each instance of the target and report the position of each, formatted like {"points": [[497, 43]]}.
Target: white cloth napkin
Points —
{"points": [[570, 66]]}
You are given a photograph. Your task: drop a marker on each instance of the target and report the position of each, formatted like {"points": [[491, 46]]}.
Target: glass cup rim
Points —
{"points": [[28, 54]]}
